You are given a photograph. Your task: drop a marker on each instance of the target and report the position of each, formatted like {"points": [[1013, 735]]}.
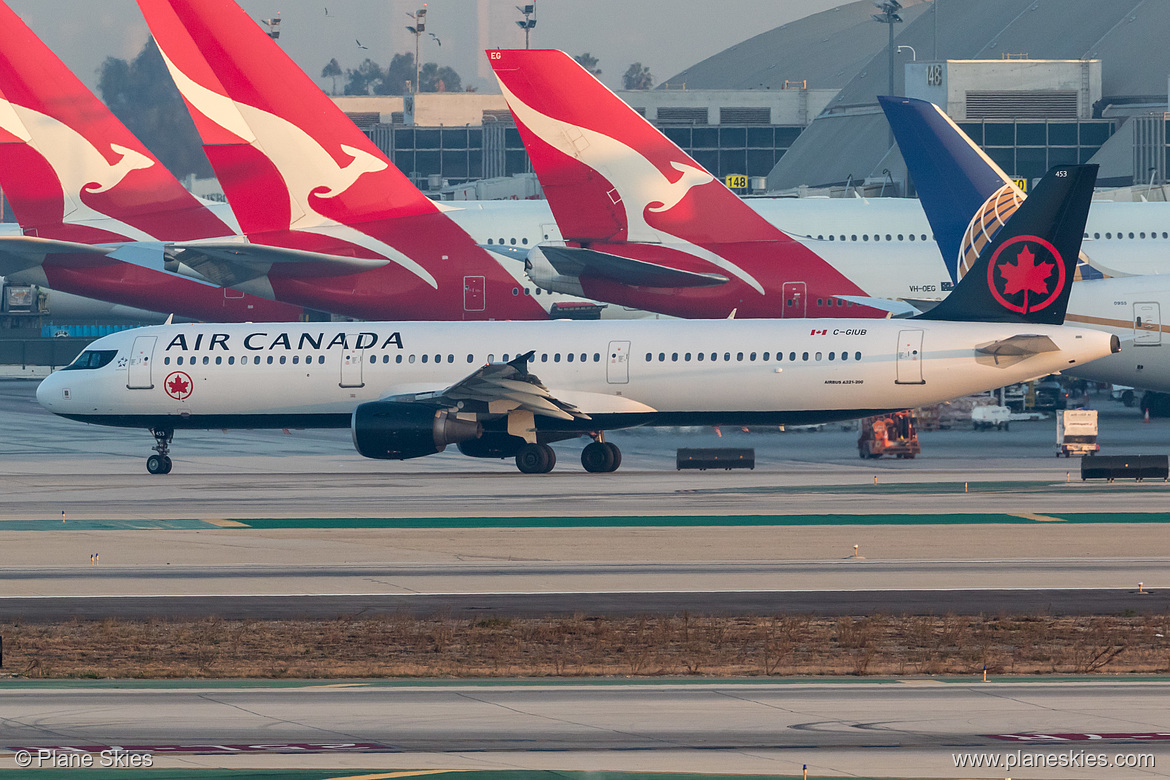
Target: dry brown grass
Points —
{"points": [[441, 646]]}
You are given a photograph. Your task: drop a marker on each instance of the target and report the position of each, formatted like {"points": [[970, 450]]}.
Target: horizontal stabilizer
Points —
{"points": [[146, 254], [1019, 346], [571, 261], [259, 254], [519, 253], [895, 308], [230, 263], [19, 253]]}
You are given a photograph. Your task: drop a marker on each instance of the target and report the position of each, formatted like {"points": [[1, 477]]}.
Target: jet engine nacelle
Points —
{"points": [[391, 430]]}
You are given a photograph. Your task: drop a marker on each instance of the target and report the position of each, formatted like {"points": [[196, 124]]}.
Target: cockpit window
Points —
{"points": [[92, 358]]}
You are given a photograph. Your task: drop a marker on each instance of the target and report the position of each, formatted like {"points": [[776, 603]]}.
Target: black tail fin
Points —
{"points": [[1026, 273]]}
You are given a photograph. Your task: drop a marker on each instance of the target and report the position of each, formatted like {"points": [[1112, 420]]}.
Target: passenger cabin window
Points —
{"points": [[92, 358]]}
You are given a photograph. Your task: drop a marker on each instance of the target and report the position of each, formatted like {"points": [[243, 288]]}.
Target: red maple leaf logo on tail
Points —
{"points": [[1027, 276]]}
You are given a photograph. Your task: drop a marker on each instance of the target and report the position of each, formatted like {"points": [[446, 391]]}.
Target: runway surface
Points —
{"points": [[870, 729]]}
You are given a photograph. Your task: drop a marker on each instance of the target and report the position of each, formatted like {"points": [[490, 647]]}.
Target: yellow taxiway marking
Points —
{"points": [[226, 523], [922, 682], [334, 685], [1039, 518], [388, 775]]}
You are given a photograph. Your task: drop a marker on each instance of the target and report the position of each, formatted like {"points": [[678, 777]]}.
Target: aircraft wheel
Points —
{"points": [[617, 456], [167, 464], [536, 459], [157, 464], [597, 458]]}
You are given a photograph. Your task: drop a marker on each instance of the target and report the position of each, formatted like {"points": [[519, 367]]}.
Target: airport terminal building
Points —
{"points": [[794, 109]]}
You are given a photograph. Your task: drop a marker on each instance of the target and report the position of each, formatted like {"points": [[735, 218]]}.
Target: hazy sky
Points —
{"points": [[665, 35]]}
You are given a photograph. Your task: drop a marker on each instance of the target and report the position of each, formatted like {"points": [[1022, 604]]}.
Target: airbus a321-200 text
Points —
{"points": [[508, 389]]}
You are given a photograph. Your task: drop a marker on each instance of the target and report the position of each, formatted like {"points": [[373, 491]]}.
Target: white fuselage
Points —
{"points": [[631, 373]]}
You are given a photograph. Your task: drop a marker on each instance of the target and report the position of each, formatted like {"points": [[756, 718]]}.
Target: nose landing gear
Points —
{"points": [[160, 463]]}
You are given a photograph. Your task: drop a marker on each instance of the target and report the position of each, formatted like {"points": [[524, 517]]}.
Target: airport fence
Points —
{"points": [[51, 353]]}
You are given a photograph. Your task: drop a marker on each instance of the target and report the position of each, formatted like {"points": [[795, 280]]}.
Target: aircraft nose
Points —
{"points": [[49, 391]]}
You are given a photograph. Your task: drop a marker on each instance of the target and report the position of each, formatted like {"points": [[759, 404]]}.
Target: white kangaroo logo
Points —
{"points": [[304, 165], [639, 183], [77, 163], [132, 160]]}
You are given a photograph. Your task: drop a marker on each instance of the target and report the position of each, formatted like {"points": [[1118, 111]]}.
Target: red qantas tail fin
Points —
{"points": [[608, 174], [286, 156], [69, 168]]}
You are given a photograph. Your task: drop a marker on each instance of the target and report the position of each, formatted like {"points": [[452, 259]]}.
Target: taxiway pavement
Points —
{"points": [[836, 728]]}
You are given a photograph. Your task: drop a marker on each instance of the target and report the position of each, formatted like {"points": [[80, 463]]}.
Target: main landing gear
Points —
{"points": [[600, 457], [536, 459], [160, 463]]}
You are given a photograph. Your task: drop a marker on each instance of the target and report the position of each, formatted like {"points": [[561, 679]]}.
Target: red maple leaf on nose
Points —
{"points": [[1026, 275], [178, 386]]}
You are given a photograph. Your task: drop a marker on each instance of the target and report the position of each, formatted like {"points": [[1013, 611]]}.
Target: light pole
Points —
{"points": [[527, 23], [273, 26], [417, 29], [889, 16], [913, 54]]}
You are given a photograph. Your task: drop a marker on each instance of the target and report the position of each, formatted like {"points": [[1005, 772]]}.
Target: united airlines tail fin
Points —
{"points": [[608, 174], [965, 195], [286, 156], [953, 176], [69, 168], [1026, 272]]}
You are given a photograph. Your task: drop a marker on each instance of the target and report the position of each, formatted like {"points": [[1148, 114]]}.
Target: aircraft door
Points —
{"points": [[794, 300], [910, 358], [352, 361], [474, 293], [138, 377], [617, 368], [1147, 324]]}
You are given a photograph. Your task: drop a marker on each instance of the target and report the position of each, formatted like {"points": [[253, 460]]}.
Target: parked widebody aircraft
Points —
{"points": [[355, 236], [968, 199], [410, 389], [82, 186]]}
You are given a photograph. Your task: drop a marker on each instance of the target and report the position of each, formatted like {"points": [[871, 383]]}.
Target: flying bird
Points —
{"points": [[327, 11], [436, 38], [360, 46]]}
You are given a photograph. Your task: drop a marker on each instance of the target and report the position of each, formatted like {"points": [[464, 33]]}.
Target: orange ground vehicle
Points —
{"points": [[889, 434]]}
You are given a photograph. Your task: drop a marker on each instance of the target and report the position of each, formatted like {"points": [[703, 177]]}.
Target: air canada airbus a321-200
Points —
{"points": [[508, 389]]}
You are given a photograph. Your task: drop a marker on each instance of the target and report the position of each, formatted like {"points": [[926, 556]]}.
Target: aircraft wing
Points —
{"points": [[572, 261], [233, 262], [500, 388]]}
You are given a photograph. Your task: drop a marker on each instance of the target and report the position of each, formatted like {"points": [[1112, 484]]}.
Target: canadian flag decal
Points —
{"points": [[818, 332]]}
